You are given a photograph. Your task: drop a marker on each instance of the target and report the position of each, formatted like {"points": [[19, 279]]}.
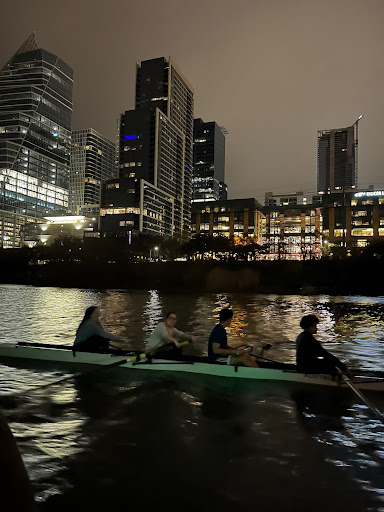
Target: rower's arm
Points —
{"points": [[168, 338], [180, 335], [329, 358], [230, 351]]}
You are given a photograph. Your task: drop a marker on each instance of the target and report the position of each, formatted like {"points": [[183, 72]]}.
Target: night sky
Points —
{"points": [[272, 72]]}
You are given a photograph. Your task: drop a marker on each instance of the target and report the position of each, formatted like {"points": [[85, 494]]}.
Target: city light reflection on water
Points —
{"points": [[88, 437]]}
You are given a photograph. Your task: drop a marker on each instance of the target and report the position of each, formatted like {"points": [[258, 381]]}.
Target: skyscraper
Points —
{"points": [[208, 162], [35, 136], [337, 158], [93, 161], [155, 157]]}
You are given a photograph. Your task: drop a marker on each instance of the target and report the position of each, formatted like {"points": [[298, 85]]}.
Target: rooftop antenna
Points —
{"points": [[356, 124]]}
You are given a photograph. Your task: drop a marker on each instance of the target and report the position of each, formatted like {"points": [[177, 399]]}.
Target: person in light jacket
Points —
{"points": [[165, 339]]}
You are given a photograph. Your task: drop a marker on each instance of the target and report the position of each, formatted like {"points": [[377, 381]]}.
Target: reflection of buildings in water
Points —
{"points": [[238, 325], [153, 312]]}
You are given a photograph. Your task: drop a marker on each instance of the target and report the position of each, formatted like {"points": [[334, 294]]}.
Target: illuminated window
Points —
{"points": [[131, 174], [362, 232]]}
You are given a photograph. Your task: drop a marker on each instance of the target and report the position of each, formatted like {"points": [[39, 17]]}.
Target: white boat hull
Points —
{"points": [[219, 370]]}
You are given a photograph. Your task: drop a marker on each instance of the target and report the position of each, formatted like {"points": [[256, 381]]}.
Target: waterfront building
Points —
{"points": [[49, 229], [337, 162], [353, 219], [292, 226], [93, 161], [35, 136], [208, 162], [153, 192], [292, 199], [237, 218]]}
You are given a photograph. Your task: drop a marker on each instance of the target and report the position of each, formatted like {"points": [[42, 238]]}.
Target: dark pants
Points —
{"points": [[174, 353], [93, 344]]}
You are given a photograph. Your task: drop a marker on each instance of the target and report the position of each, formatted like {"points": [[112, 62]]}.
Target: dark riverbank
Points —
{"points": [[347, 277]]}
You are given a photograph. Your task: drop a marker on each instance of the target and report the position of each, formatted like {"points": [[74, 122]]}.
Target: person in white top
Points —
{"points": [[164, 335]]}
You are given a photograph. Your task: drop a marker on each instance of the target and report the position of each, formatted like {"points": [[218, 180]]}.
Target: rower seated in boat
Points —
{"points": [[218, 349], [311, 356], [90, 336], [165, 339]]}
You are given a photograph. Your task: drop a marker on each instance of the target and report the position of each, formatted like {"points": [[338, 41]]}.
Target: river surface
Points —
{"points": [[120, 440]]}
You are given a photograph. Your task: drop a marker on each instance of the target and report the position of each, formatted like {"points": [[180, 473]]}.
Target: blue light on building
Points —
{"points": [[130, 137]]}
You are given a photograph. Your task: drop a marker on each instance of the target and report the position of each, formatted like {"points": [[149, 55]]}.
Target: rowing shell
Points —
{"points": [[284, 372]]}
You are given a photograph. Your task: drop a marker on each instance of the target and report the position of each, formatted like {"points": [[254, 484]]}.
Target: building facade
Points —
{"points": [[155, 157], [35, 136], [93, 161], [237, 218], [337, 159], [353, 219], [208, 162], [49, 229], [292, 227]]}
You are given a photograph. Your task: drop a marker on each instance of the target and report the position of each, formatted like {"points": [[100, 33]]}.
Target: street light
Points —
{"points": [[150, 252]]}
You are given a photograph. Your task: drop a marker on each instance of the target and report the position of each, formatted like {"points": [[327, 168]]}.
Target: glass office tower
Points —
{"points": [[35, 138]]}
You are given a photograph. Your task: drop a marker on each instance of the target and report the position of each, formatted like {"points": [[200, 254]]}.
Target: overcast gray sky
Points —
{"points": [[272, 72]]}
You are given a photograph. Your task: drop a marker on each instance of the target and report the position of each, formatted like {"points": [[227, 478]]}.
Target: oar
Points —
{"points": [[99, 367], [376, 412], [266, 346]]}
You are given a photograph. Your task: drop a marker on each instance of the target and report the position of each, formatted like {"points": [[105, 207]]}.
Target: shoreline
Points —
{"points": [[324, 277]]}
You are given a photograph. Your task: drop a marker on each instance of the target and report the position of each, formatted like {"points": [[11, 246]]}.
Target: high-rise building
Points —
{"points": [[93, 161], [155, 157], [35, 136], [337, 159], [208, 162]]}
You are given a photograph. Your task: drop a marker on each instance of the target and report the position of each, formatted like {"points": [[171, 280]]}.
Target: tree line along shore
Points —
{"points": [[333, 277]]}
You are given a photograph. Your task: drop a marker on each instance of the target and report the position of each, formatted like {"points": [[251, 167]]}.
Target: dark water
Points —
{"points": [[118, 439]]}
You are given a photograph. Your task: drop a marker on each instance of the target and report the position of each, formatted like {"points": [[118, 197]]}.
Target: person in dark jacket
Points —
{"points": [[90, 336], [311, 357]]}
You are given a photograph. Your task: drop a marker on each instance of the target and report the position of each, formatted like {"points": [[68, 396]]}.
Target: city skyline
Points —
{"points": [[273, 74]]}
